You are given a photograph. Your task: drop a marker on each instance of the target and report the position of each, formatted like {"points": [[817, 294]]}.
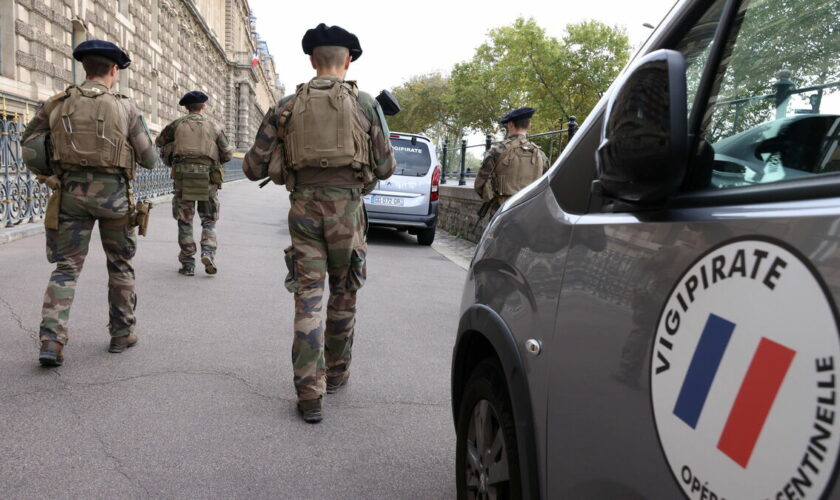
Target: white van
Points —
{"points": [[408, 200]]}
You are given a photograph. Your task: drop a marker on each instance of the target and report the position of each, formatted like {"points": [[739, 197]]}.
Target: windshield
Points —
{"points": [[413, 160]]}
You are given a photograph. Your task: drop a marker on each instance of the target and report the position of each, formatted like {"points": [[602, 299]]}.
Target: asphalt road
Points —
{"points": [[203, 406]]}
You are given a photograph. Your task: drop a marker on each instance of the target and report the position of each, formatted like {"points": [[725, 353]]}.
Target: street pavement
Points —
{"points": [[203, 406]]}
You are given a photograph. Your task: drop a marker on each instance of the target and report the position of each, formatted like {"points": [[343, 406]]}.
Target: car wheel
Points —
{"points": [[426, 236], [487, 464]]}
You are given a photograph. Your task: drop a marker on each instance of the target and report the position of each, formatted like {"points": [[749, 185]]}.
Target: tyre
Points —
{"points": [[486, 459], [425, 237]]}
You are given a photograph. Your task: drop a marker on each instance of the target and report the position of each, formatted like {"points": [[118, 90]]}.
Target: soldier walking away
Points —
{"points": [[512, 164], [84, 143], [328, 143], [195, 148]]}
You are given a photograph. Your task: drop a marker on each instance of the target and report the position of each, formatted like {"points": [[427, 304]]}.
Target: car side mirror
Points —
{"points": [[644, 143]]}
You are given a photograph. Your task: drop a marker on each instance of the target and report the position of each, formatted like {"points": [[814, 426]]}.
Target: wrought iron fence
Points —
{"points": [[23, 199]]}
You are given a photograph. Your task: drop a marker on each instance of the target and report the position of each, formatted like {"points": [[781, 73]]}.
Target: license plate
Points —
{"points": [[390, 201]]}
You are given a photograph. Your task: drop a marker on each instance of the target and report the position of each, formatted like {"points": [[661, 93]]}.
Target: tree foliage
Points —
{"points": [[520, 65]]}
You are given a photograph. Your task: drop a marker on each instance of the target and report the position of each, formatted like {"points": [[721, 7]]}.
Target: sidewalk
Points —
{"points": [[203, 406]]}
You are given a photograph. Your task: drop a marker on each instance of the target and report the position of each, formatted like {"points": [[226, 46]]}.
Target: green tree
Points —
{"points": [[520, 65]]}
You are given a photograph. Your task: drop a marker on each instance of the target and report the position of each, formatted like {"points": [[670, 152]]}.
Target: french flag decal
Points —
{"points": [[744, 374], [755, 397]]}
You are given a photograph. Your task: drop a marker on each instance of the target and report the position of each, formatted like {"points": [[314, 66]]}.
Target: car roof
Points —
{"points": [[407, 135]]}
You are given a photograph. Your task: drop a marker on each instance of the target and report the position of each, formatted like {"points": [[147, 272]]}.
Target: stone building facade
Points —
{"points": [[175, 46]]}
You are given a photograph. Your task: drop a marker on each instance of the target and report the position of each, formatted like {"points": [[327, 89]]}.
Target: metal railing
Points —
{"points": [[23, 199], [488, 143]]}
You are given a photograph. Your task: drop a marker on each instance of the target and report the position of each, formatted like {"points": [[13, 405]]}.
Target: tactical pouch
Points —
{"points": [[487, 190], [141, 217], [53, 207], [195, 181], [277, 170], [357, 274], [217, 177], [291, 281]]}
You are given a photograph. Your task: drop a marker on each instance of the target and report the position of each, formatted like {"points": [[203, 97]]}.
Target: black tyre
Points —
{"points": [[486, 460], [425, 237]]}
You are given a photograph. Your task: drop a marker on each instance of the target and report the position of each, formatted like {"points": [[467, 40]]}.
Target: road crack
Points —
{"points": [[17, 319]]}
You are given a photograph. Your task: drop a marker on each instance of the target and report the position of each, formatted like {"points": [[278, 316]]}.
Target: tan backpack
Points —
{"points": [[324, 129], [90, 128], [518, 165], [195, 137]]}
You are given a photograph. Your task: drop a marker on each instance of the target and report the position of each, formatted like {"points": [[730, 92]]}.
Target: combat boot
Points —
{"points": [[51, 353], [187, 269], [119, 344], [209, 264], [334, 384], [311, 410]]}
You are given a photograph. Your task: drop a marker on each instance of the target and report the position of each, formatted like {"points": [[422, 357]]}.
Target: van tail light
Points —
{"points": [[435, 184]]}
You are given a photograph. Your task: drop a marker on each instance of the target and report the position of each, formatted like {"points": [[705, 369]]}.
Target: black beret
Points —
{"points": [[518, 114], [331, 35], [193, 97], [102, 48]]}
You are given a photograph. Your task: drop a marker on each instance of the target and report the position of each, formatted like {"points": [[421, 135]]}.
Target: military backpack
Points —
{"points": [[195, 137], [518, 165], [326, 130], [89, 128]]}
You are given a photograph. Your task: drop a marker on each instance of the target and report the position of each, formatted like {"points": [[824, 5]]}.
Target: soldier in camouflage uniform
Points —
{"points": [[512, 164], [97, 137], [195, 148], [327, 178]]}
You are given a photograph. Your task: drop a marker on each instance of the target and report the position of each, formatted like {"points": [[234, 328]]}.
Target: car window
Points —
{"points": [[413, 160], [696, 45], [775, 112]]}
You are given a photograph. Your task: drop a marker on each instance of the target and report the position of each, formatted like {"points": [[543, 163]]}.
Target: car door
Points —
{"points": [[696, 350]]}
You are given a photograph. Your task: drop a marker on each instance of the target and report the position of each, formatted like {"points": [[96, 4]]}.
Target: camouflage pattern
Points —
{"points": [[90, 194], [255, 164], [327, 225], [167, 135], [184, 212], [138, 135], [484, 179], [86, 198], [328, 228]]}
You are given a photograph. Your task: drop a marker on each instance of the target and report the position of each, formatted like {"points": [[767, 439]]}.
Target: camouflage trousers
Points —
{"points": [[85, 199], [184, 212], [328, 227]]}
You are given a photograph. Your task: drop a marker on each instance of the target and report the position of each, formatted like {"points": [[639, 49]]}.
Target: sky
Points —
{"points": [[403, 39]]}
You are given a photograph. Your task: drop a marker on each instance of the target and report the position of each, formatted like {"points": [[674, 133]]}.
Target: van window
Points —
{"points": [[413, 160], [775, 112]]}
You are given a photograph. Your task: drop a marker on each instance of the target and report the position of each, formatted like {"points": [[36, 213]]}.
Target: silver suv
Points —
{"points": [[656, 317], [408, 200]]}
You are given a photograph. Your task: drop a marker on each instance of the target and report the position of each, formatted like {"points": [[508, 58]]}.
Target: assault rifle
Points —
{"points": [[482, 212]]}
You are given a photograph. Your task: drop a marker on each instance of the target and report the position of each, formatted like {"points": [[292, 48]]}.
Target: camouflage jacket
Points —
{"points": [[488, 166], [138, 135], [256, 160], [167, 136]]}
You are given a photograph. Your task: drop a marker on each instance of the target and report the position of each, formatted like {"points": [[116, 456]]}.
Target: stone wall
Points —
{"points": [[175, 46], [457, 213]]}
